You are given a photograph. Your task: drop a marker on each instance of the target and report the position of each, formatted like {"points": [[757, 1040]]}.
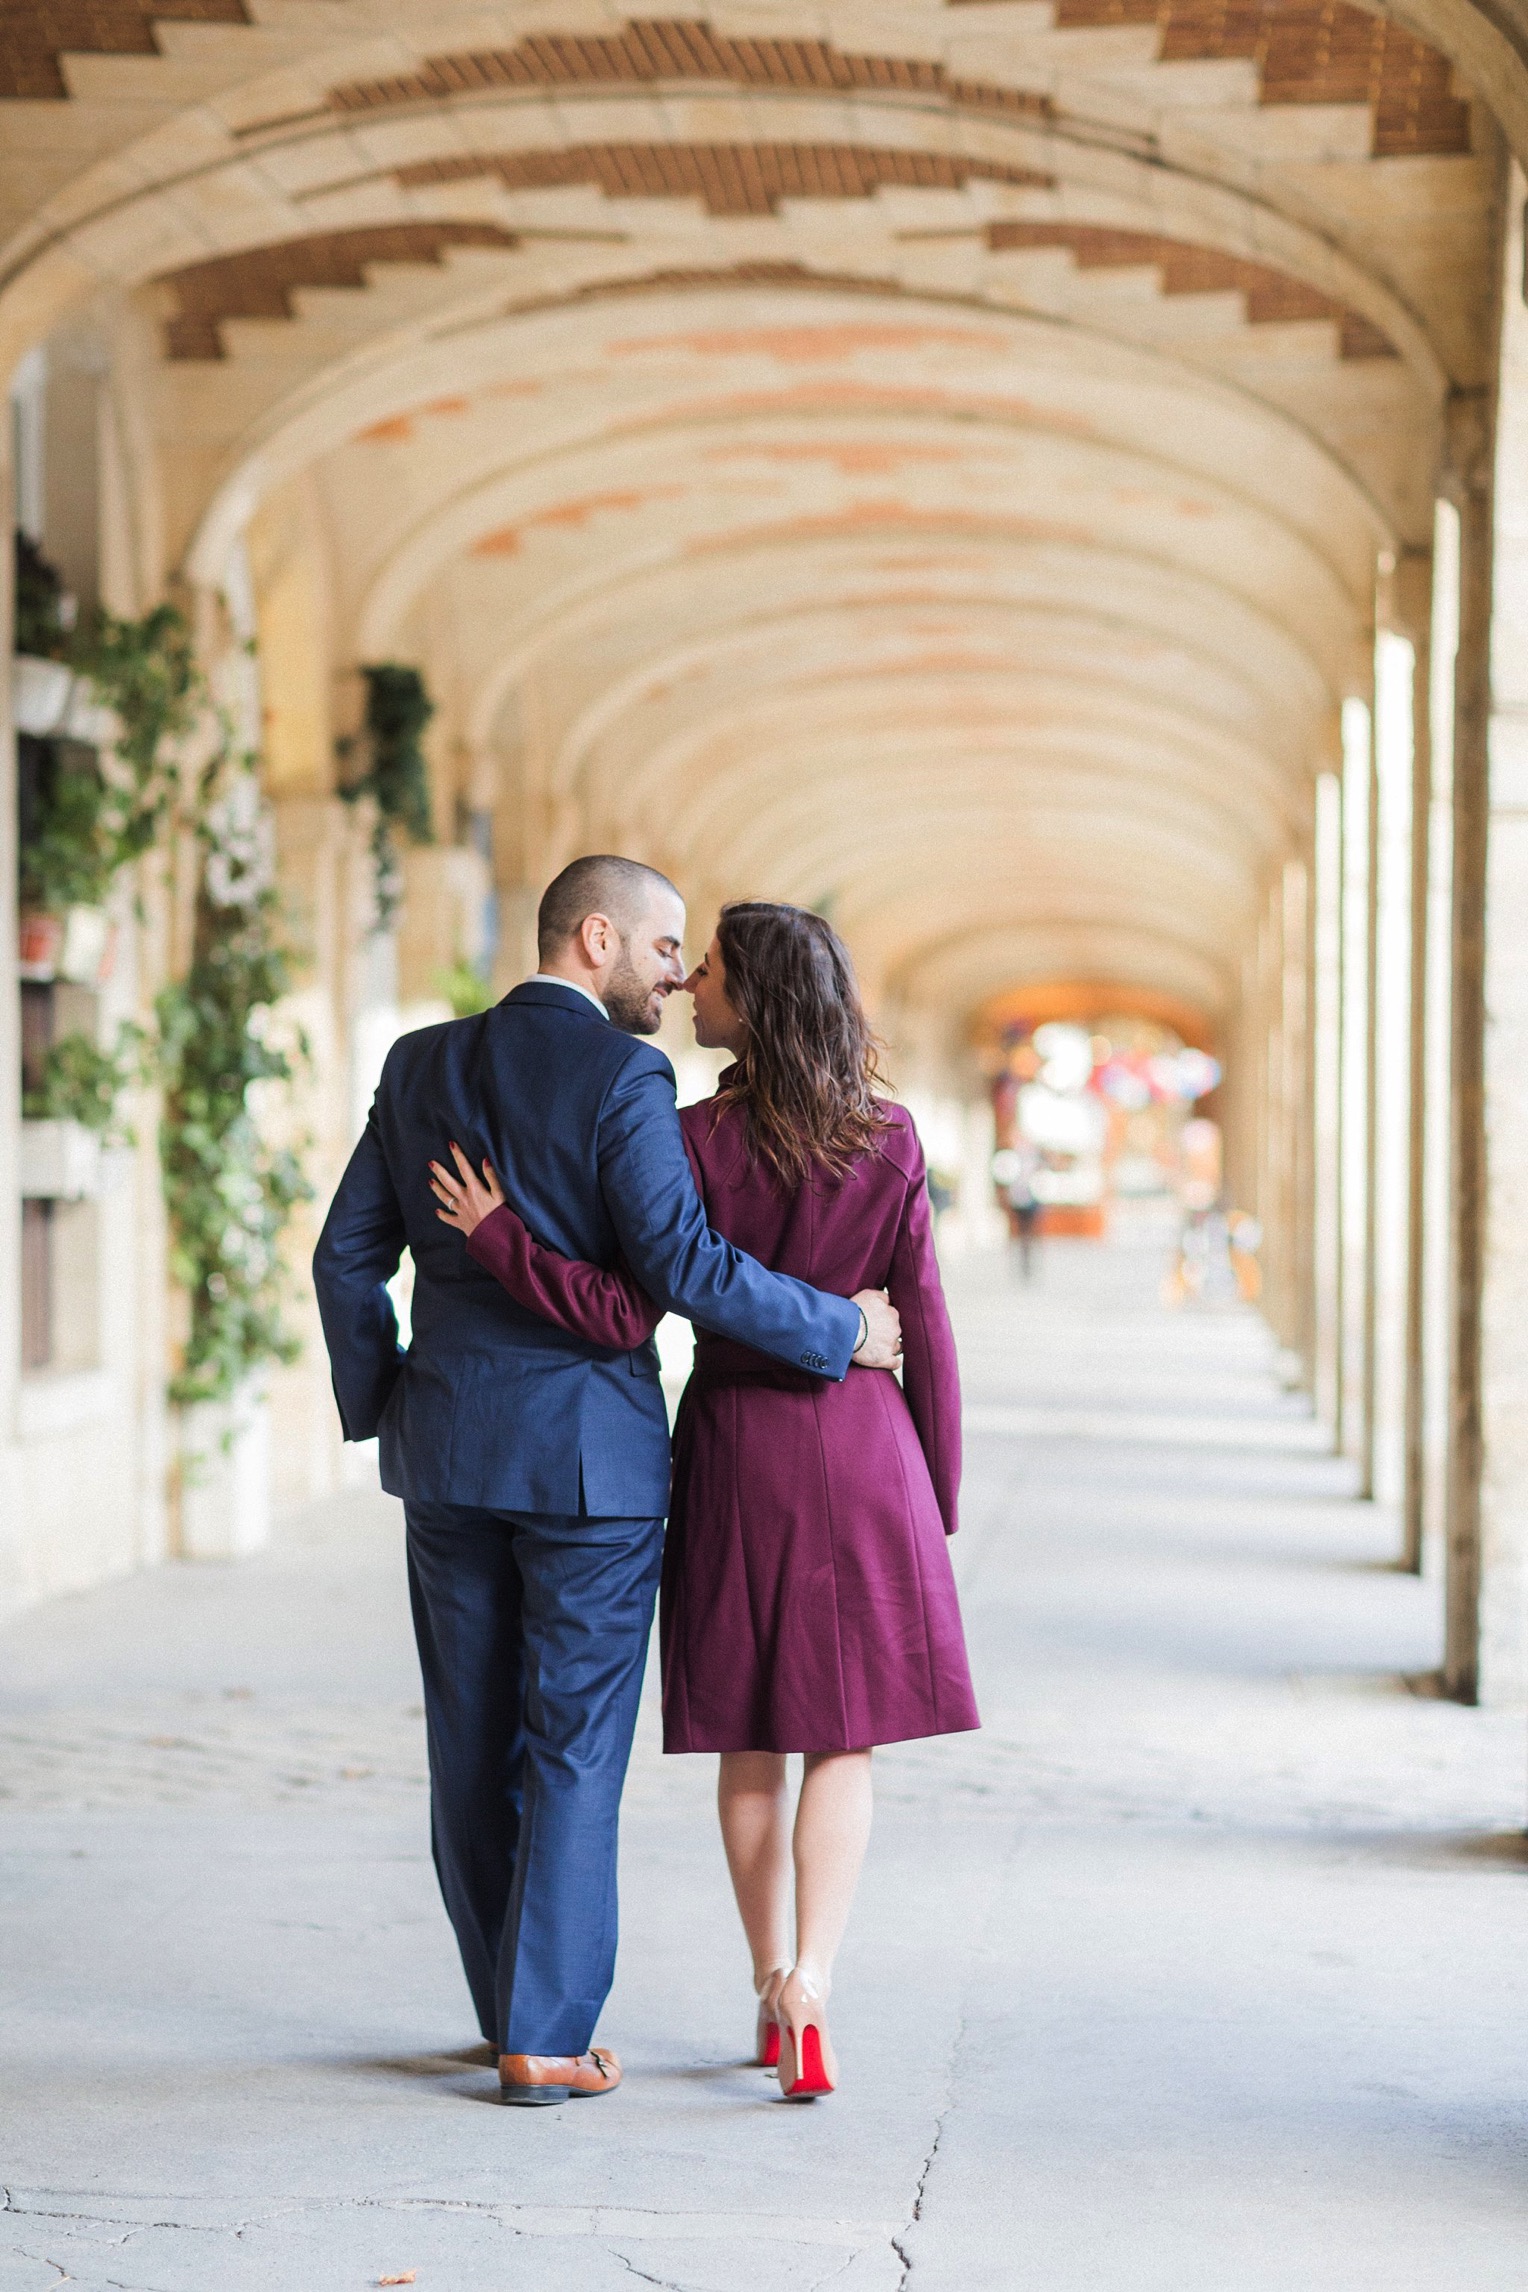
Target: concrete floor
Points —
{"points": [[1203, 1967]]}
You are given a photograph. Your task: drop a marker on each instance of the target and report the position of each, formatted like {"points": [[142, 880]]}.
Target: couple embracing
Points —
{"points": [[556, 1205]]}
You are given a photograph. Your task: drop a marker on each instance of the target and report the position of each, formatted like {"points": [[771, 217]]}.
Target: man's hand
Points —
{"points": [[881, 1346]]}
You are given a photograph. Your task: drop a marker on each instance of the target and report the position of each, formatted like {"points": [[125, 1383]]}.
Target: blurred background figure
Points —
{"points": [[1014, 1170], [1245, 1236], [1217, 1248], [943, 1193], [1203, 1274]]}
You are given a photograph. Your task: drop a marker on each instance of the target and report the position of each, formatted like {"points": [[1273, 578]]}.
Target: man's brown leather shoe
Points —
{"points": [[535, 2080]]}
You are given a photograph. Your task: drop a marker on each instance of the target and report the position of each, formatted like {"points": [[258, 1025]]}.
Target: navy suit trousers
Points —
{"points": [[533, 1632]]}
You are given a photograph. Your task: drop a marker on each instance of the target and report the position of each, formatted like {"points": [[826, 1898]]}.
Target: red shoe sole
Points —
{"points": [[770, 2057], [811, 2077]]}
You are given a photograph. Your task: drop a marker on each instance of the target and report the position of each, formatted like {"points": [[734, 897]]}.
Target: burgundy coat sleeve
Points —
{"points": [[605, 1308], [930, 1375]]}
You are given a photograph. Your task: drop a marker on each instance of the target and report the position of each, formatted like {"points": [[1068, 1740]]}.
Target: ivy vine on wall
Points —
{"points": [[90, 823], [394, 772], [78, 1081], [145, 672], [229, 1192], [92, 811]]}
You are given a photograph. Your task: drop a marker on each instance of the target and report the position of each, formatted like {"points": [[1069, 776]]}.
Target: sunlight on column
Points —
{"points": [[1394, 672], [1437, 1145], [1328, 1108], [1354, 1193]]}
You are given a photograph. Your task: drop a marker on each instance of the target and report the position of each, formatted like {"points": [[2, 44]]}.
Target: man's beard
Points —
{"points": [[629, 1000]]}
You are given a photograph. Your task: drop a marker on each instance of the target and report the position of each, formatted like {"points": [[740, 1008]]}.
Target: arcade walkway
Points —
{"points": [[1202, 1967]]}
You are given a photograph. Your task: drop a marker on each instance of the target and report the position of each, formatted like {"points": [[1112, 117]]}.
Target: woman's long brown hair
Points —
{"points": [[807, 1074]]}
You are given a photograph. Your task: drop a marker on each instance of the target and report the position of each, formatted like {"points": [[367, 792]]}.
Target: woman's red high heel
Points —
{"points": [[807, 2067], [766, 2048], [811, 2077]]}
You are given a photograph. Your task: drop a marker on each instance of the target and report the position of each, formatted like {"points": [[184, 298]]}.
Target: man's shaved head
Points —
{"points": [[617, 928], [601, 884]]}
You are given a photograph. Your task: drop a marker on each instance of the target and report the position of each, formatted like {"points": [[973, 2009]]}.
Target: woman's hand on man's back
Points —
{"points": [[466, 1198]]}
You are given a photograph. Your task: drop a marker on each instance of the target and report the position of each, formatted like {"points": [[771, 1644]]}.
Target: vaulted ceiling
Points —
{"points": [[930, 457]]}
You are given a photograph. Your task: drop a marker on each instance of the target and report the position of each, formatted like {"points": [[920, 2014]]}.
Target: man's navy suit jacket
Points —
{"points": [[491, 1405]]}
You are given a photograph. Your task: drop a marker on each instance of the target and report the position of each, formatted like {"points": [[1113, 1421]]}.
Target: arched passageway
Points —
{"points": [[1040, 480]]}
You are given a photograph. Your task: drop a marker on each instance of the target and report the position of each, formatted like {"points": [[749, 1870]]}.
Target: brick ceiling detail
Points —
{"points": [[259, 282], [1271, 296], [1203, 270], [731, 178], [1306, 51], [35, 33], [658, 49]]}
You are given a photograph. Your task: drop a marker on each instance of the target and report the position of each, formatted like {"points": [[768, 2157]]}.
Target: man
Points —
{"points": [[534, 1468]]}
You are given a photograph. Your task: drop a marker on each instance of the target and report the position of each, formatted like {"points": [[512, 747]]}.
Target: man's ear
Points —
{"points": [[598, 935]]}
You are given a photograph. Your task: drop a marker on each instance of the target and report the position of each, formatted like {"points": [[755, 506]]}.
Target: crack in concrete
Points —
{"points": [[667, 2283], [520, 2222], [131, 2228], [920, 2188], [833, 2273], [523, 2222], [997, 1892], [664, 2283], [46, 2260]]}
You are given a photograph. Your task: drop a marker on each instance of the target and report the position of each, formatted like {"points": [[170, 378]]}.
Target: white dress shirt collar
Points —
{"points": [[551, 979]]}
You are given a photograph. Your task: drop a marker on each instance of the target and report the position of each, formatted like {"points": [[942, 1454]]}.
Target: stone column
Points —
{"points": [[1408, 611], [1488, 1525], [1247, 1168], [1326, 1094], [1294, 998], [1487, 1461], [1437, 1216], [1356, 1186], [1264, 1021], [314, 840], [1308, 1145], [1282, 1015], [1470, 482], [1369, 1354], [1395, 1107]]}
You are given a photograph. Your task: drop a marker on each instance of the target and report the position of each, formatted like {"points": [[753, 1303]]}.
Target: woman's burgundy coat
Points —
{"points": [[808, 1603]]}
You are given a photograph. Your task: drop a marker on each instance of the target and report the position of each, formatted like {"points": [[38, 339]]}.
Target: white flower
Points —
{"points": [[241, 863]]}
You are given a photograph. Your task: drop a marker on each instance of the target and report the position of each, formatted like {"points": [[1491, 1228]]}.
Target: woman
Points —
{"points": [[807, 1603]]}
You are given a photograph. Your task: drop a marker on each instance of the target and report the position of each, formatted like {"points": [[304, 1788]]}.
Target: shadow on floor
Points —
{"points": [[1485, 1850]]}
